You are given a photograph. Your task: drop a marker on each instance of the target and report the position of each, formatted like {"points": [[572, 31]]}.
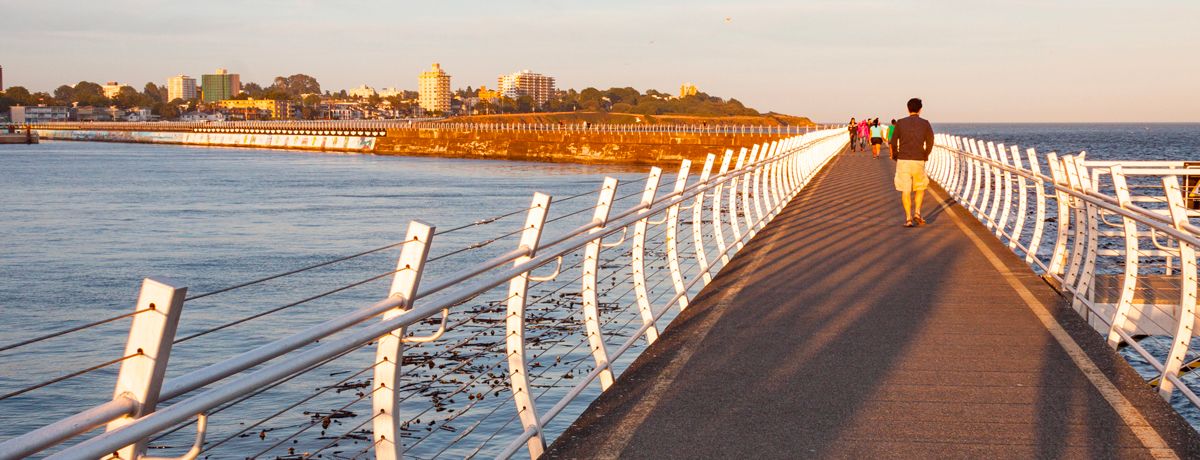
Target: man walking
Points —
{"points": [[910, 146]]}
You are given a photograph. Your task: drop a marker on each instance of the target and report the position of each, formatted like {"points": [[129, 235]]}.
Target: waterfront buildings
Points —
{"points": [[363, 91], [526, 83], [434, 89], [389, 92], [39, 114], [181, 87], [488, 95], [112, 89], [219, 86], [254, 109], [687, 89]]}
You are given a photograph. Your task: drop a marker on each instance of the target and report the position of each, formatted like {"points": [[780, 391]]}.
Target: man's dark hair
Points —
{"points": [[914, 105]]}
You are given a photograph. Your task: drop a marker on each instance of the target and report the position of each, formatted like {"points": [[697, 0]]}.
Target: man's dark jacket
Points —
{"points": [[913, 139]]}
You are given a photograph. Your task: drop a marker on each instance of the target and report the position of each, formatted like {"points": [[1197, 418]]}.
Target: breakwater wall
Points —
{"points": [[619, 147], [561, 146]]}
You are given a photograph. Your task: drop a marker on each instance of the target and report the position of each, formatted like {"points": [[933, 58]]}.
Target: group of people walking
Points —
{"points": [[869, 130], [910, 141]]}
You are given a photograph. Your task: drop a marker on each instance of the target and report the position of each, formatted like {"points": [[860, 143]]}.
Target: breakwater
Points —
{"points": [[565, 146], [614, 145]]}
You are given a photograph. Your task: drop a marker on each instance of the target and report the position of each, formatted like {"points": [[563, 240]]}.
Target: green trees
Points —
{"points": [[629, 100], [295, 85]]}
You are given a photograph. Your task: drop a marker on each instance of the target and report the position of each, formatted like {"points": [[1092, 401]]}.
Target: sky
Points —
{"points": [[970, 61]]}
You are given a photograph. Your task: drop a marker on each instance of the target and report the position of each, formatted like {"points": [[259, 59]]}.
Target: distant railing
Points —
{"points": [[1118, 237], [322, 127], [446, 347]]}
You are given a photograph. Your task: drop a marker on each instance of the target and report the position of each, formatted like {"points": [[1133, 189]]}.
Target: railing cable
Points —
{"points": [[68, 331], [289, 305], [68, 376], [293, 272]]}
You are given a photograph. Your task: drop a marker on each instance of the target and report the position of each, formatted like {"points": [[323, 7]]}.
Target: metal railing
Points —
{"points": [[1118, 237], [325, 127], [448, 343]]}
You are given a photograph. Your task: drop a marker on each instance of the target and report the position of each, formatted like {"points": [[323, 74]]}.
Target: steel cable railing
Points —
{"points": [[765, 182], [1118, 237]]}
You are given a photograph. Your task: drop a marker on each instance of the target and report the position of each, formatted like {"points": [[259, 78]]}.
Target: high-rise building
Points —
{"points": [[526, 83], [220, 86], [434, 89], [1, 78], [687, 89], [181, 87], [112, 89]]}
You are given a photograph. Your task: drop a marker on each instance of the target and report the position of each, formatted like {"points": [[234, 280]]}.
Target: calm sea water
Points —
{"points": [[1102, 141], [83, 223]]}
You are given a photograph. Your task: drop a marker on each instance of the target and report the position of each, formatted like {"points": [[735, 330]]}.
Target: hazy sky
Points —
{"points": [[1093, 60]]}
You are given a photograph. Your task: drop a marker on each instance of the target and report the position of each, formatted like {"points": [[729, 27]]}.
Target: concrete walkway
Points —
{"points": [[838, 333]]}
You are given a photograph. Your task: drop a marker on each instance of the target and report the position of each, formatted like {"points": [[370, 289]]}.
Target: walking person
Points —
{"points": [[863, 132], [910, 146], [876, 138], [853, 128]]}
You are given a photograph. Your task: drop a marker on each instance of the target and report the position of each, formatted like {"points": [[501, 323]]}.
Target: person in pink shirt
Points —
{"points": [[864, 129]]}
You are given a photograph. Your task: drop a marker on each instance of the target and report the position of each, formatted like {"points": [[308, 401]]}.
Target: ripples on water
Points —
{"points": [[82, 223]]}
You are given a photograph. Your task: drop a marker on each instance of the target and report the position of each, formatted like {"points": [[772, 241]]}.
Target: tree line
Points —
{"points": [[620, 100], [305, 92], [154, 97]]}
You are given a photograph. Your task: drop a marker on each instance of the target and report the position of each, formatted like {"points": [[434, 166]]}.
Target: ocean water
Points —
{"points": [[1102, 141], [82, 223]]}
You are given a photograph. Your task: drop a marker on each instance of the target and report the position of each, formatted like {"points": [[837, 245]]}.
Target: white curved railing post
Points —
{"points": [[672, 235], [150, 339], [1076, 178], [514, 326], [1058, 257], [591, 260], [769, 192], [698, 215], [1187, 292], [1039, 223], [637, 258], [735, 216], [960, 170], [389, 353], [1085, 295], [1022, 202], [759, 187], [1129, 280], [972, 175], [995, 189], [718, 232], [1007, 191], [747, 202]]}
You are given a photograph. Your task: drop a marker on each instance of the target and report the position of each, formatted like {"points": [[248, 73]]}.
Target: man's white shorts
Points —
{"points": [[910, 176]]}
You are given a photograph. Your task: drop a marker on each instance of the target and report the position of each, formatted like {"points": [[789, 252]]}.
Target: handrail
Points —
{"points": [[1083, 205], [225, 381]]}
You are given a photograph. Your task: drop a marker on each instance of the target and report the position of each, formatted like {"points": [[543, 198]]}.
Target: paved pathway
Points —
{"points": [[838, 333]]}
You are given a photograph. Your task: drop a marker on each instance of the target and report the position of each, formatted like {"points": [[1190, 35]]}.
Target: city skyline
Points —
{"points": [[970, 61]]}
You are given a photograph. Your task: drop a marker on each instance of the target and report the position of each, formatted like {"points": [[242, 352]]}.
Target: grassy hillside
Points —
{"points": [[770, 119]]}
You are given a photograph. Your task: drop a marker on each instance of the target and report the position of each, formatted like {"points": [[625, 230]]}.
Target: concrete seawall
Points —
{"points": [[547, 146]]}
